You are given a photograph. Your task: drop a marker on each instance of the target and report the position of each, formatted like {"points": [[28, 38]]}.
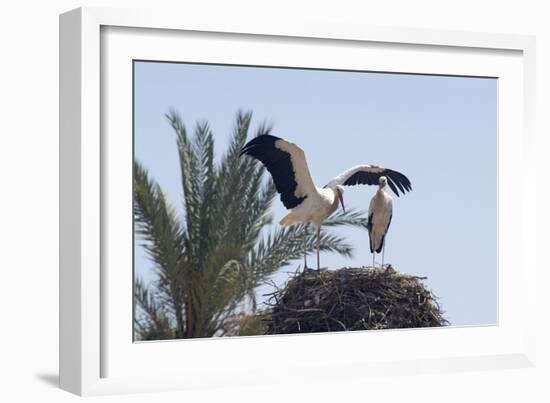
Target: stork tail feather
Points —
{"points": [[381, 244], [288, 220], [376, 241]]}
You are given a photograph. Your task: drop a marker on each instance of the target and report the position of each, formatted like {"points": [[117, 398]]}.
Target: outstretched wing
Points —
{"points": [[369, 175], [286, 162]]}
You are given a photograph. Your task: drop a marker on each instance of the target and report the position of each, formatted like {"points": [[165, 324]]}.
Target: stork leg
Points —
{"points": [[305, 246], [373, 259], [383, 250], [318, 247]]}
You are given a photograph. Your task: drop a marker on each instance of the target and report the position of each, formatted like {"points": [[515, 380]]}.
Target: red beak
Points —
{"points": [[341, 201]]}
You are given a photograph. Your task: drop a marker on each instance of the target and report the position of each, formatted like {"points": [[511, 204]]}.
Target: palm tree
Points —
{"points": [[209, 263]]}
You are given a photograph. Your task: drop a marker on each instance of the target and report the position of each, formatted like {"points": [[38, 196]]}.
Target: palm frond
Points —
{"points": [[152, 321], [221, 282], [158, 226], [210, 262], [352, 217], [287, 244], [190, 175], [233, 180], [258, 212], [203, 148]]}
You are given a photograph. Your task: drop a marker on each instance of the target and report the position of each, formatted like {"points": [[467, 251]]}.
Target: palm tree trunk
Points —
{"points": [[189, 317], [180, 328]]}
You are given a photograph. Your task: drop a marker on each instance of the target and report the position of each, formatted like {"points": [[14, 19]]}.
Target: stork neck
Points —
{"points": [[334, 192]]}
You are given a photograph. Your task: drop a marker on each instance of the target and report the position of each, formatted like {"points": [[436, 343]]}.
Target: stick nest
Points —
{"points": [[352, 299]]}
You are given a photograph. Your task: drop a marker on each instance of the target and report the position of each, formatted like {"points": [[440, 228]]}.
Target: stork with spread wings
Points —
{"points": [[309, 204]]}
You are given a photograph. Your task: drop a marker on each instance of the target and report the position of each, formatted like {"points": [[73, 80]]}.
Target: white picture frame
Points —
{"points": [[96, 357]]}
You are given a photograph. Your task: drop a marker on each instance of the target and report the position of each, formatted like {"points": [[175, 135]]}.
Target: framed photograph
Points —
{"points": [[253, 202]]}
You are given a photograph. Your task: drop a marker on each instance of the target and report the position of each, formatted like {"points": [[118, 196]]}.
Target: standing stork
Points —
{"points": [[309, 204], [380, 214]]}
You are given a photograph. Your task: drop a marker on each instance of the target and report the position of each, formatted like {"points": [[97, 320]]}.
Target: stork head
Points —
{"points": [[340, 194], [382, 182]]}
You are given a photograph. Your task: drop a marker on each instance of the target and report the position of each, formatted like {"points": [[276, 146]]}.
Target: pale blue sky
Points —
{"points": [[439, 131]]}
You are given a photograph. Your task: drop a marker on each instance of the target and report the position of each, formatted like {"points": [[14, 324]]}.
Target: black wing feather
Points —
{"points": [[396, 180], [279, 165], [392, 186]]}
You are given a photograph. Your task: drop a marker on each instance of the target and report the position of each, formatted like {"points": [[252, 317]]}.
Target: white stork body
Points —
{"points": [[380, 215], [315, 209], [309, 204]]}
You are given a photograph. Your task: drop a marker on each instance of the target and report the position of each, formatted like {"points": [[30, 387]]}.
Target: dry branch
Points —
{"points": [[352, 299]]}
